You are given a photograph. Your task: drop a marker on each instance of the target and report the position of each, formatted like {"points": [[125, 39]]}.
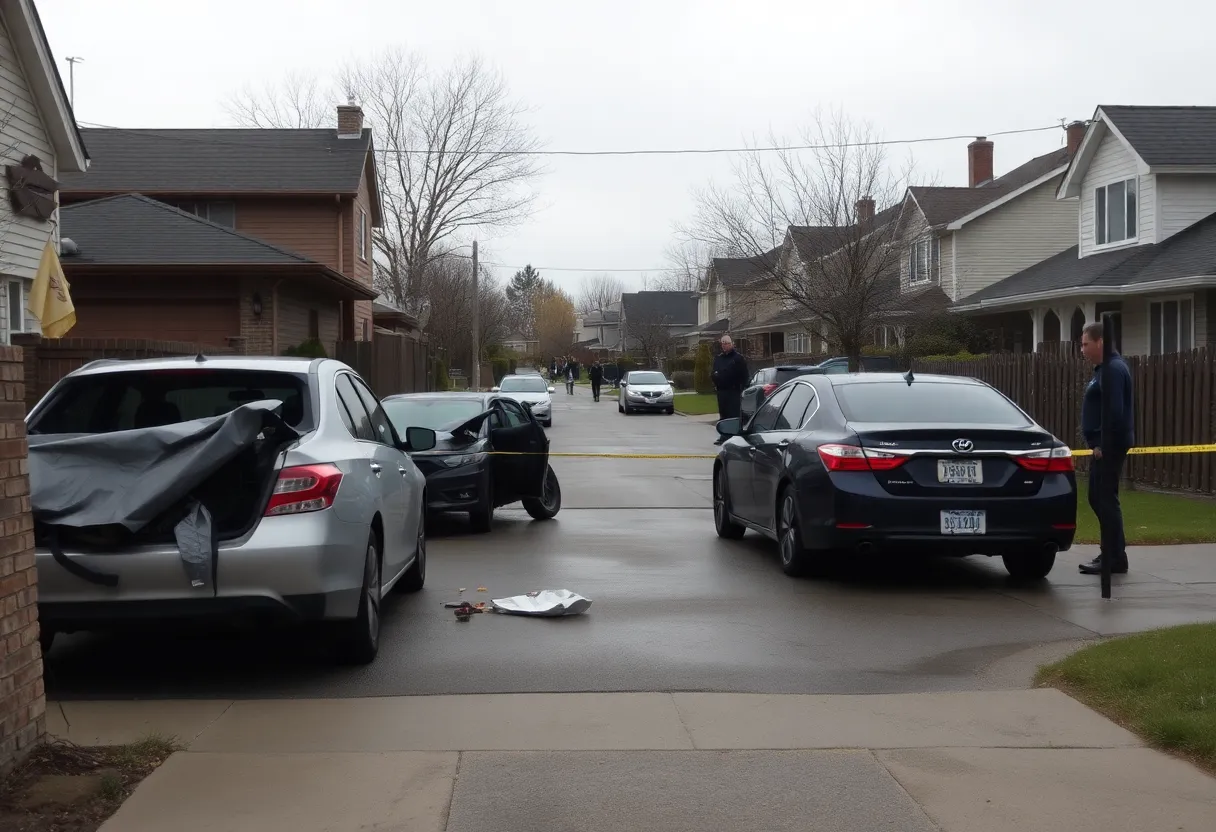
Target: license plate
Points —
{"points": [[963, 522], [960, 471]]}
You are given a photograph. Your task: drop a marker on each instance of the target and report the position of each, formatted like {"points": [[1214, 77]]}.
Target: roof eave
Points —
{"points": [[1070, 186], [371, 170], [1007, 198], [1200, 281], [82, 194]]}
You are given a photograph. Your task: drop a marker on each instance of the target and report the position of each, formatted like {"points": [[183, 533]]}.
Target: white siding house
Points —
{"points": [[35, 120]]}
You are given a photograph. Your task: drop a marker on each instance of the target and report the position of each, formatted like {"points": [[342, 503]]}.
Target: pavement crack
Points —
{"points": [[680, 716], [924, 812]]}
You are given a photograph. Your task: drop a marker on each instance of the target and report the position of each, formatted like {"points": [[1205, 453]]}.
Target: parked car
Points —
{"points": [[530, 390], [768, 379], [646, 390], [311, 521], [890, 463], [463, 470]]}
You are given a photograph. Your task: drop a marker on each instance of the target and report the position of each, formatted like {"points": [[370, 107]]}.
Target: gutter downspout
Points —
{"points": [[341, 270]]}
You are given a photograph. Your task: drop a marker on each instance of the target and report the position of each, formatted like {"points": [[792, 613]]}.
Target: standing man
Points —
{"points": [[730, 377], [1106, 466], [596, 374]]}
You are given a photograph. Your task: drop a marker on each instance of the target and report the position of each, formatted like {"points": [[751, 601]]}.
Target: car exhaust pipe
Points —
{"points": [[865, 548]]}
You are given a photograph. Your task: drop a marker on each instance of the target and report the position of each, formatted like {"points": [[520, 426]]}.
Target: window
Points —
{"points": [[434, 413], [1115, 311], [1115, 217], [220, 213], [922, 260], [349, 398], [927, 402], [361, 233], [1171, 326], [524, 384], [16, 306], [797, 342], [514, 413], [380, 423], [796, 406], [766, 416]]}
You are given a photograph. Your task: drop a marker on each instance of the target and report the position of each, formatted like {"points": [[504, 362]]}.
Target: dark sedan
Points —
{"points": [[490, 451], [833, 464]]}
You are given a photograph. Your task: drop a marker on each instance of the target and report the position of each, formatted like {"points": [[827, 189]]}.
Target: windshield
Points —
{"points": [[524, 384], [108, 402], [927, 403], [436, 414], [647, 378]]}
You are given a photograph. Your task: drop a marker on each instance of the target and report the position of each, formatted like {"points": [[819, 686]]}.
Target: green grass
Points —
{"points": [[1151, 518], [1160, 684], [697, 404]]}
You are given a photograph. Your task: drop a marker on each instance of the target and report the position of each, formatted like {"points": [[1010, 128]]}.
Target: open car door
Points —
{"points": [[520, 472]]}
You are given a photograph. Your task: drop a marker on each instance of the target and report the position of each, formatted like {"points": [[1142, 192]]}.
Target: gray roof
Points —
{"points": [[220, 161], [942, 205], [602, 317], [675, 308], [1189, 253], [736, 271], [1168, 135]]}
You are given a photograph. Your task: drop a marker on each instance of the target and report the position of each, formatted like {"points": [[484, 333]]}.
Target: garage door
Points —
{"points": [[209, 322]]}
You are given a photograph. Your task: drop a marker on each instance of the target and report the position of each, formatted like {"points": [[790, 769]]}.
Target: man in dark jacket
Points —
{"points": [[730, 377], [1106, 465], [596, 374]]}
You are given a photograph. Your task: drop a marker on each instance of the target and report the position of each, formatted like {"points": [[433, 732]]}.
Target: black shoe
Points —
{"points": [[1094, 567]]}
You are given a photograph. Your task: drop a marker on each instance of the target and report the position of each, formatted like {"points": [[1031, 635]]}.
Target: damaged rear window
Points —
{"points": [[108, 402]]}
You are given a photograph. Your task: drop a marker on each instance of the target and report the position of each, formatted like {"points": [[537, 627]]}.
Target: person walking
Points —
{"points": [[570, 379], [596, 374], [730, 377], [1106, 464]]}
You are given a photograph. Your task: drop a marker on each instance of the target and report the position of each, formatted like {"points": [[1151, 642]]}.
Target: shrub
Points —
{"points": [[685, 363], [442, 381], [500, 367], [703, 370], [683, 379], [312, 348], [626, 364]]}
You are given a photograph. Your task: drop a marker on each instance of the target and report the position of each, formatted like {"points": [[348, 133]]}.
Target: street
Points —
{"points": [[675, 608]]}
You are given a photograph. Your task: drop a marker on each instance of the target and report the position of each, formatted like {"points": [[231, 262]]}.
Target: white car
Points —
{"points": [[646, 390], [532, 391]]}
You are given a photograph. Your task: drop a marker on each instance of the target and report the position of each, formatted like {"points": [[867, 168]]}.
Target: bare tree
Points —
{"points": [[650, 333], [598, 293], [688, 259], [449, 289], [296, 101], [835, 215]]}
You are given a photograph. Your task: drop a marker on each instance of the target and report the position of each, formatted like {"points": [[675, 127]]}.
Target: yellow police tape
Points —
{"points": [[1162, 449]]}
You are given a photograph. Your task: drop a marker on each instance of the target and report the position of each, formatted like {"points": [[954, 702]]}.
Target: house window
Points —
{"points": [[1171, 325], [1115, 216], [16, 306], [923, 259], [220, 213], [362, 238], [798, 343]]}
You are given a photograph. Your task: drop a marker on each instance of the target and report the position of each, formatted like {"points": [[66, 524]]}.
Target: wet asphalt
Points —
{"points": [[675, 608]]}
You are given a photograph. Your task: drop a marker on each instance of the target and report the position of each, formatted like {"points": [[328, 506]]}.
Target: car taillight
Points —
{"points": [[853, 458], [1047, 461], [304, 488], [769, 388]]}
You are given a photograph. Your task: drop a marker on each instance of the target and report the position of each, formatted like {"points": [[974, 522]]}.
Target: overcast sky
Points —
{"points": [[663, 74]]}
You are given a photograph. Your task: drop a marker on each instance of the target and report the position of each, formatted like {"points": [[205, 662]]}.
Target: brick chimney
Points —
{"points": [[350, 120], [979, 162], [1075, 132], [865, 210]]}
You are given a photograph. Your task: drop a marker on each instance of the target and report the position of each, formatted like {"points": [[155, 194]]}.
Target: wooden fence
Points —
{"points": [[389, 363], [1175, 401]]}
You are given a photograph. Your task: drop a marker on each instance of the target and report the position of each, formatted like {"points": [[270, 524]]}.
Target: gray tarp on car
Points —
{"points": [[130, 478]]}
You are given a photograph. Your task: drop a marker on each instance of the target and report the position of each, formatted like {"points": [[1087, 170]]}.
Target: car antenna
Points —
{"points": [[200, 358], [908, 377]]}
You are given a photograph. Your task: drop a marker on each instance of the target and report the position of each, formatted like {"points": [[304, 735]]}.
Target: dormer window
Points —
{"points": [[923, 259], [1115, 215]]}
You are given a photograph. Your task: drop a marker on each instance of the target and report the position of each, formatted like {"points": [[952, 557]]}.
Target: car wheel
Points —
{"points": [[724, 526], [548, 423], [482, 517], [415, 577], [1030, 566], [359, 640], [549, 503], [671, 411], [796, 559]]}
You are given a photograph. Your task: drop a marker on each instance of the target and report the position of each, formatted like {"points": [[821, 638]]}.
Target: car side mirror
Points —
{"points": [[494, 389], [419, 439], [624, 384], [730, 427], [552, 389]]}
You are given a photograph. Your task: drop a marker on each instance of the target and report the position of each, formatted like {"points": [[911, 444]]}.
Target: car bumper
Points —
{"points": [[456, 489], [302, 566], [867, 518], [651, 404]]}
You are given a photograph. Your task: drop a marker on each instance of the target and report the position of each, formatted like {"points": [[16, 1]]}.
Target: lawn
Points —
{"points": [[1160, 684], [1150, 518], [697, 404]]}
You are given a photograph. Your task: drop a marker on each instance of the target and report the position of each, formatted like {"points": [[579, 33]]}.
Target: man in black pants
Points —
{"points": [[730, 377], [596, 374], [1106, 465]]}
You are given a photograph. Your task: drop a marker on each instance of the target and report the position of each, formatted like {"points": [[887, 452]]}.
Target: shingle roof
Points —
{"points": [[220, 161], [736, 271], [1189, 253], [676, 308], [942, 205], [1168, 135]]}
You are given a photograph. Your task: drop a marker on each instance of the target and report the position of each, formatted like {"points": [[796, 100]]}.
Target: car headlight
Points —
{"points": [[456, 460], [668, 393]]}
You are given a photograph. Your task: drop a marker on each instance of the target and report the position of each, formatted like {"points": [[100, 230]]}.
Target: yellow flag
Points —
{"points": [[50, 298]]}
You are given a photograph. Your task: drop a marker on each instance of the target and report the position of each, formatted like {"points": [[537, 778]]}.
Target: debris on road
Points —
{"points": [[482, 589], [465, 610], [546, 603]]}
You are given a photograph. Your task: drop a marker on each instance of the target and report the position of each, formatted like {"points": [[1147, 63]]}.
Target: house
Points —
{"points": [[40, 145], [655, 322], [727, 297], [600, 331], [519, 343], [391, 320], [1143, 184], [312, 194]]}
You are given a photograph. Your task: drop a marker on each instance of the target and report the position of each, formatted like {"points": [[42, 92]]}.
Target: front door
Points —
{"points": [[393, 467], [520, 471], [744, 494], [771, 449]]}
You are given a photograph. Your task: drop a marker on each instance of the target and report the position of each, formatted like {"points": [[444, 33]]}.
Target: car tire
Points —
{"points": [[482, 517], [671, 411], [548, 423], [549, 503], [723, 525], [1031, 565], [796, 559], [359, 638], [415, 577]]}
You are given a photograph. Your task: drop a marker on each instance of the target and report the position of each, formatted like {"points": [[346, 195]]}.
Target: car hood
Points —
{"points": [[527, 398], [649, 388]]}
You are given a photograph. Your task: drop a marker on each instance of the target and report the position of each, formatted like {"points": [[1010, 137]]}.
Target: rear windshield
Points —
{"points": [[924, 402], [529, 384], [784, 374], [109, 402], [436, 414]]}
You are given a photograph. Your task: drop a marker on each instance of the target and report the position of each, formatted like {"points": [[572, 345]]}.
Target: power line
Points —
{"points": [[640, 152], [566, 268]]}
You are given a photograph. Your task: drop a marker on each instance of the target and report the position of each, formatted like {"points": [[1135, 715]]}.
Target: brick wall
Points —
{"points": [[22, 700]]}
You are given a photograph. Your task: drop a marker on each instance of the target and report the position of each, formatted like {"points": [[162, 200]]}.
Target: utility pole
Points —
{"points": [[72, 61], [475, 376]]}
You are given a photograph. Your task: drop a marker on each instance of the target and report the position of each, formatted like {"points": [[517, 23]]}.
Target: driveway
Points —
{"points": [[675, 608]]}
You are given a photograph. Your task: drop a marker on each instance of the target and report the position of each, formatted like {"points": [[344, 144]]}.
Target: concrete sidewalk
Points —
{"points": [[965, 762]]}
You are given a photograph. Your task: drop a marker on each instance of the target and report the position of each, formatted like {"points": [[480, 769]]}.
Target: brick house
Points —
{"points": [[308, 197]]}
